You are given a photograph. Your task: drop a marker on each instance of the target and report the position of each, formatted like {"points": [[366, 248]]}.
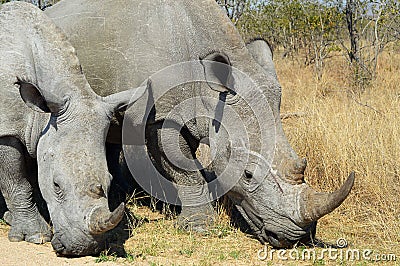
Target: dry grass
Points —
{"points": [[344, 131], [159, 242]]}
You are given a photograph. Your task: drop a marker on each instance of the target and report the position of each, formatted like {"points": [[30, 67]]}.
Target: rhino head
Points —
{"points": [[66, 131], [271, 193], [72, 168]]}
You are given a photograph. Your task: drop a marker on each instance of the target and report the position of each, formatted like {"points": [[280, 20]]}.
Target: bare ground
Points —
{"points": [[23, 253]]}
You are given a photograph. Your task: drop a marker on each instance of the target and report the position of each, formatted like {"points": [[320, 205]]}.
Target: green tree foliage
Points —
{"points": [[371, 26], [290, 24], [234, 8], [306, 28], [315, 30]]}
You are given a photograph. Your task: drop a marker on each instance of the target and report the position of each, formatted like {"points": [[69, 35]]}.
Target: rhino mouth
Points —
{"points": [[279, 239], [58, 246], [76, 244]]}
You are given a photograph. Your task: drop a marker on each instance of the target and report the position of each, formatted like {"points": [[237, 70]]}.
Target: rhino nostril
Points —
{"points": [[302, 164], [272, 238], [271, 235]]}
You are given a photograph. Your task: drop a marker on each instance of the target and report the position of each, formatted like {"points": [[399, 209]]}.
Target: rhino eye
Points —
{"points": [[58, 190], [57, 186], [248, 174]]}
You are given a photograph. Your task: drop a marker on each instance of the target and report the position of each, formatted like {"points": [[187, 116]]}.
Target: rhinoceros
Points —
{"points": [[122, 43], [53, 125]]}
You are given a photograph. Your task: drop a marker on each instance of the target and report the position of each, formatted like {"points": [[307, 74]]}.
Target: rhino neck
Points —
{"points": [[52, 61], [36, 50], [285, 162]]}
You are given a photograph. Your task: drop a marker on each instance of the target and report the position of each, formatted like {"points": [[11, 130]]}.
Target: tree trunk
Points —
{"points": [[351, 9]]}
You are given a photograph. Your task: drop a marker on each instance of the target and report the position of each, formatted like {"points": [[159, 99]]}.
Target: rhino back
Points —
{"points": [[120, 47], [14, 114], [33, 48]]}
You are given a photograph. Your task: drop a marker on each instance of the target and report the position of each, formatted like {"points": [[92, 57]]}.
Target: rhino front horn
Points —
{"points": [[314, 204], [101, 221]]}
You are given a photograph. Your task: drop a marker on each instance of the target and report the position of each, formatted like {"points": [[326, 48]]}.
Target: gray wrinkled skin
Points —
{"points": [[62, 126], [121, 43]]}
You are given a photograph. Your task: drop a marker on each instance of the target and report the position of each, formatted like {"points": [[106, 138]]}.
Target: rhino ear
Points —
{"points": [[33, 98], [218, 71], [261, 50], [122, 100], [262, 54]]}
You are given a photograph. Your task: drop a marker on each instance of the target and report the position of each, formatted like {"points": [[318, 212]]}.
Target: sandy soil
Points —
{"points": [[23, 253]]}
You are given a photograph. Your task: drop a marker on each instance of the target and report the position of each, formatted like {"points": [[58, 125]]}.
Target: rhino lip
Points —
{"points": [[259, 228], [63, 246], [58, 246]]}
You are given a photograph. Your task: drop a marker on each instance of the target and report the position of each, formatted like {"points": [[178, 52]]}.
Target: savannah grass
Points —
{"points": [[344, 130]]}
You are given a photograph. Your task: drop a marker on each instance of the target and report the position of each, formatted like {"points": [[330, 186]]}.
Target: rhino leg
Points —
{"points": [[196, 218], [26, 222], [121, 183], [197, 212]]}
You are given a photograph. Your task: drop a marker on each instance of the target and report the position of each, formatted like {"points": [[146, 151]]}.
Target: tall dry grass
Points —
{"points": [[343, 131]]}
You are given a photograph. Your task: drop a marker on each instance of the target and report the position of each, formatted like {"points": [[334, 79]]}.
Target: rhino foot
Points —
{"points": [[198, 219], [35, 231]]}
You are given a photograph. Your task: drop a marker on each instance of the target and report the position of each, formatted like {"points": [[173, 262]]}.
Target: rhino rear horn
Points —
{"points": [[314, 204]]}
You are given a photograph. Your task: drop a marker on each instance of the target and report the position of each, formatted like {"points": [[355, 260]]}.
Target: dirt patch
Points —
{"points": [[23, 253]]}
